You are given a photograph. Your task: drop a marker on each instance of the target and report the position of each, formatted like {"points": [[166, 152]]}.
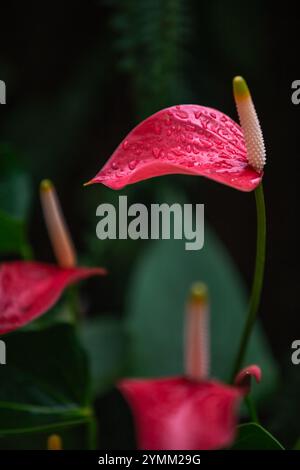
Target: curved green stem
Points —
{"points": [[252, 409], [73, 299], [258, 278]]}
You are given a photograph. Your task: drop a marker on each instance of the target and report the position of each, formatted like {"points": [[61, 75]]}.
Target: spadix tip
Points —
{"points": [[240, 87], [199, 293], [46, 185]]}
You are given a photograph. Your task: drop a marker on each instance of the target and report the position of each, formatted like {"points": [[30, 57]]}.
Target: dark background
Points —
{"points": [[80, 75]]}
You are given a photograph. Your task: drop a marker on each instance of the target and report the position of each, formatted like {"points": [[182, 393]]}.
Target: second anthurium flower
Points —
{"points": [[28, 289], [191, 412]]}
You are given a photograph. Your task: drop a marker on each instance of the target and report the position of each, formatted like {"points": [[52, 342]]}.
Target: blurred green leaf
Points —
{"points": [[15, 195], [297, 445], [252, 436], [74, 437], [156, 303], [12, 234], [60, 313], [15, 186], [45, 384], [105, 343]]}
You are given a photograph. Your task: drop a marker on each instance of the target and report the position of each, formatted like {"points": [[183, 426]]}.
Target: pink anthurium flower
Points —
{"points": [[191, 412], [192, 140], [28, 289]]}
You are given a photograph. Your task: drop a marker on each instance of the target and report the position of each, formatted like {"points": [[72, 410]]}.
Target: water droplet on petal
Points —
{"points": [[190, 127], [114, 166], [125, 145], [155, 152], [132, 164]]}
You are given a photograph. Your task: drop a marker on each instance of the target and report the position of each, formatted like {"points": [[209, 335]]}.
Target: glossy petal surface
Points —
{"points": [[176, 413], [29, 289], [186, 139]]}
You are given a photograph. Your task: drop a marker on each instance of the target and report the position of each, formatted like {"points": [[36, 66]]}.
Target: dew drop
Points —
{"points": [[132, 164], [114, 166], [181, 113], [125, 145], [169, 132], [155, 152], [190, 127]]}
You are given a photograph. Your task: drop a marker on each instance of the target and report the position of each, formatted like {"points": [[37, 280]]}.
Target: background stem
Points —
{"points": [[257, 280], [74, 303], [252, 409]]}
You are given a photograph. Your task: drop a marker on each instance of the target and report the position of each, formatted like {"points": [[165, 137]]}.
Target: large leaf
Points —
{"points": [[105, 343], [156, 304], [252, 436], [45, 383]]}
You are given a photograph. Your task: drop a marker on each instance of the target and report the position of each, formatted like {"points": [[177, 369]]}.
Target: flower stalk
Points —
{"points": [[256, 156], [257, 280]]}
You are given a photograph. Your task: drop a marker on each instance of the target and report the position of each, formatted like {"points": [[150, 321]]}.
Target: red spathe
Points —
{"points": [[185, 139], [179, 414], [29, 289]]}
